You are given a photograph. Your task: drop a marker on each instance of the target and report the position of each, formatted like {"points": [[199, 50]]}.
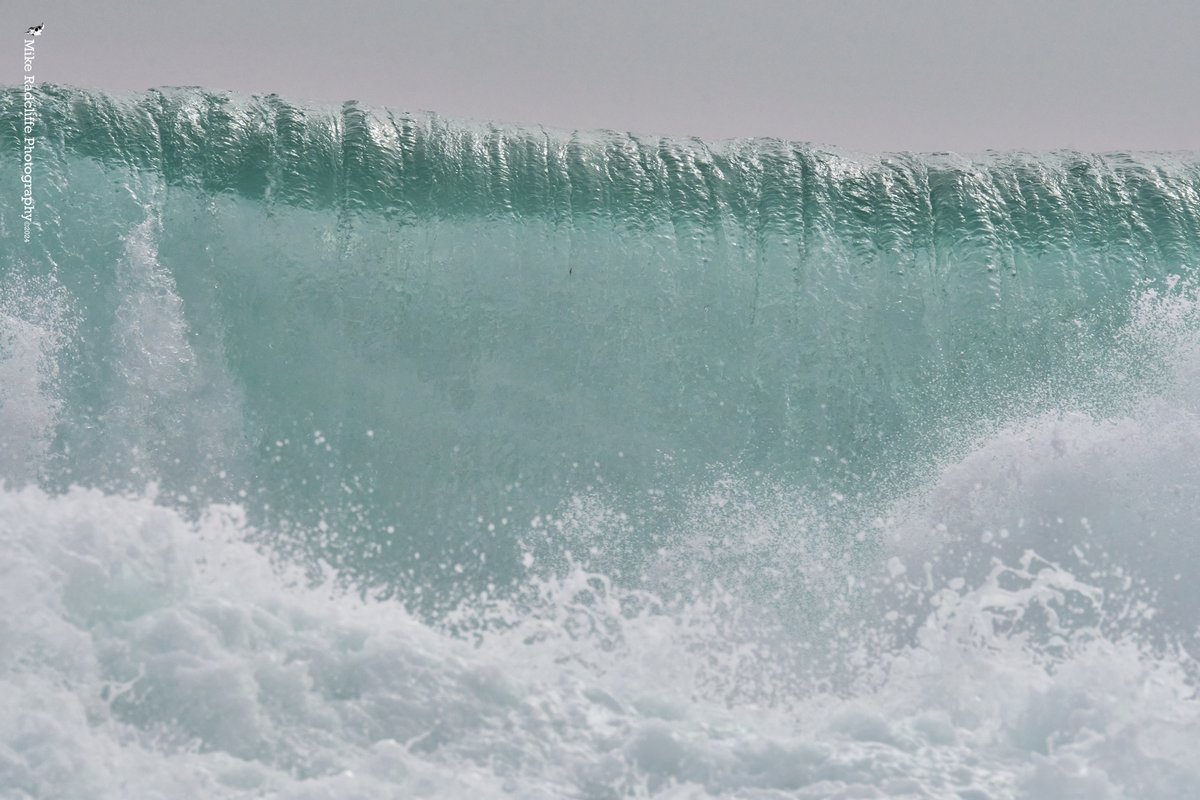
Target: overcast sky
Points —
{"points": [[862, 74]]}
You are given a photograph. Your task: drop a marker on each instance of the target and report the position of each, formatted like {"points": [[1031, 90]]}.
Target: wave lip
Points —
{"points": [[358, 158]]}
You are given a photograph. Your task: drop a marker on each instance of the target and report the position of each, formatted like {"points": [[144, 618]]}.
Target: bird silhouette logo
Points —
{"points": [[36, 30]]}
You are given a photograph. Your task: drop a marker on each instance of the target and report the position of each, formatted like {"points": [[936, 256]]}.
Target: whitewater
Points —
{"points": [[350, 453]]}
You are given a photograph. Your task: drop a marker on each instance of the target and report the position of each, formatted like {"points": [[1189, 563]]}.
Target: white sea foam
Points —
{"points": [[143, 655]]}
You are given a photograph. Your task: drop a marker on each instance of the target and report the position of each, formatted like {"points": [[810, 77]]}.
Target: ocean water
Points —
{"points": [[349, 453]]}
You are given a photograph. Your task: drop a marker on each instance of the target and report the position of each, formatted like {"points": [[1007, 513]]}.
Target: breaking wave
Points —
{"points": [[354, 454]]}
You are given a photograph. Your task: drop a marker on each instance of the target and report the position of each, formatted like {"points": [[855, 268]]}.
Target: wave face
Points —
{"points": [[348, 453]]}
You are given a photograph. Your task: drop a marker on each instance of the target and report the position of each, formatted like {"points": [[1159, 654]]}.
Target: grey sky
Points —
{"points": [[862, 74]]}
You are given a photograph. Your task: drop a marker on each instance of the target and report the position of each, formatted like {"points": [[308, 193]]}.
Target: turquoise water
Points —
{"points": [[351, 453]]}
